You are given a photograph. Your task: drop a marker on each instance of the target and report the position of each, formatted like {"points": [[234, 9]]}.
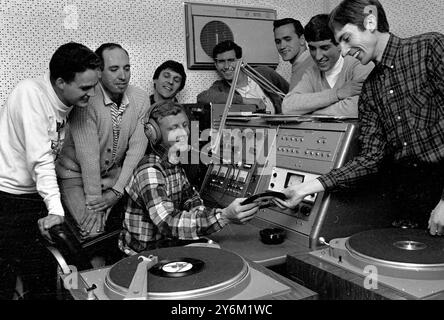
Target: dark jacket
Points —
{"points": [[218, 92]]}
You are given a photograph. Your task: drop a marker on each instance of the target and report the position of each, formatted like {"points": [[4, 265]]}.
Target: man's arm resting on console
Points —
{"points": [[347, 108], [303, 98]]}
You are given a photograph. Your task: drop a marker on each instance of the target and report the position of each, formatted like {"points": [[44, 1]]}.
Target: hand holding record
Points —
{"points": [[238, 213], [265, 199]]}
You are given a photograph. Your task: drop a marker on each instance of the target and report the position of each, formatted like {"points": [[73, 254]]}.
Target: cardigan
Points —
{"points": [[88, 149]]}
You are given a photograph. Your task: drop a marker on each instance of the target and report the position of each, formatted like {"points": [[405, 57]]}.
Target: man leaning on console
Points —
{"points": [[81, 146]]}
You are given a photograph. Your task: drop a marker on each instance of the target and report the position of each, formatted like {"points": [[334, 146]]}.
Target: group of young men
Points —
{"points": [[75, 141]]}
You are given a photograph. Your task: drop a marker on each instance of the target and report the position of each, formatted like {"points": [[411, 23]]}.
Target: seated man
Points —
{"points": [[104, 145], [333, 85], [168, 80], [225, 56], [161, 203]]}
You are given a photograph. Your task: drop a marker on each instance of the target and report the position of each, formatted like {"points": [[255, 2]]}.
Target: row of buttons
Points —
{"points": [[308, 153], [318, 154], [289, 150], [296, 139]]}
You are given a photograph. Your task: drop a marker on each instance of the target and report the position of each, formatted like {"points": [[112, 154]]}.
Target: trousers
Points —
{"points": [[22, 248]]}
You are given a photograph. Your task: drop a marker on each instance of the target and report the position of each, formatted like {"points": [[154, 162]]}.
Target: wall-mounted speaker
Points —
{"points": [[250, 28]]}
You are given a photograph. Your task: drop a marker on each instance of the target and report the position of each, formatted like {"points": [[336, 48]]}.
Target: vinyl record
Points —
{"points": [[183, 273], [177, 268]]}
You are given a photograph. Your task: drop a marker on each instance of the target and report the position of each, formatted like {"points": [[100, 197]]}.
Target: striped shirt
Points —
{"points": [[401, 110], [116, 116], [162, 204]]}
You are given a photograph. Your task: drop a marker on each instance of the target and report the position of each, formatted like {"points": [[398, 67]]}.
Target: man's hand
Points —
{"points": [[92, 222], [436, 221], [296, 193], [236, 213], [47, 223], [349, 89], [109, 199], [293, 198]]}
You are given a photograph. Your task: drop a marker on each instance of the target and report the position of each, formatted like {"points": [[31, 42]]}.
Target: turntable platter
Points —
{"points": [[410, 261], [404, 246], [203, 272]]}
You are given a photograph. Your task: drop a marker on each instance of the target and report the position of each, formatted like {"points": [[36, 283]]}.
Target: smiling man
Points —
{"points": [[32, 127], [225, 55], [332, 86], [163, 209], [168, 80], [290, 43], [401, 111], [104, 145]]}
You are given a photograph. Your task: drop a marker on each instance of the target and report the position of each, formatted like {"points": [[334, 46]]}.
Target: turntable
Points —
{"points": [[186, 273], [408, 261]]}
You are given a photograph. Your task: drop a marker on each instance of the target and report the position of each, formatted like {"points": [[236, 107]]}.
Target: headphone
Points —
{"points": [[152, 129]]}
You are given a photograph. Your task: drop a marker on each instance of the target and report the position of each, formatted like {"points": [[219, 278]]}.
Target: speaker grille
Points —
{"points": [[213, 33]]}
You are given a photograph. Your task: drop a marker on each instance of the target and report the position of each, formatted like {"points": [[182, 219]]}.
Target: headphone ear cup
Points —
{"points": [[153, 131]]}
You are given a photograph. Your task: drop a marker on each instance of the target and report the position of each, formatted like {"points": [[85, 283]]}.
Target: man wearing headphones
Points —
{"points": [[162, 205]]}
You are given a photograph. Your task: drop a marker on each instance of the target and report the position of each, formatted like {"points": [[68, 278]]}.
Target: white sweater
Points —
{"points": [[28, 131]]}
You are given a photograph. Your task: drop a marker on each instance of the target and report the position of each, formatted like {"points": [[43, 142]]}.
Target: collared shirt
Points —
{"points": [[162, 204], [332, 75], [401, 109], [253, 90], [153, 100], [116, 115]]}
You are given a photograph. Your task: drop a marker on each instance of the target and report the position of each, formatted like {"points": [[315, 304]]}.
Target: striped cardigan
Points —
{"points": [[87, 151]]}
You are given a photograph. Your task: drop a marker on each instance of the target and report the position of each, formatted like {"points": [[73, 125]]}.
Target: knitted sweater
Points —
{"points": [[218, 92], [314, 93], [298, 68], [87, 151], [31, 131]]}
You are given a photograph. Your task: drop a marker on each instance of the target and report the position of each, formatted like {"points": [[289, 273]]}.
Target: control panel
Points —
{"points": [[235, 171], [296, 153]]}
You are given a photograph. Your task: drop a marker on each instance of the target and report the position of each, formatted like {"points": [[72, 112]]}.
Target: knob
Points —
{"points": [[305, 210], [322, 241], [272, 185], [275, 174]]}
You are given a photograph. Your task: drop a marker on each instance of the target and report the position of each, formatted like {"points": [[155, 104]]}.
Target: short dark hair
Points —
{"points": [[71, 58], [352, 11], [164, 109], [225, 46], [107, 46], [298, 28], [174, 66], [317, 29]]}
